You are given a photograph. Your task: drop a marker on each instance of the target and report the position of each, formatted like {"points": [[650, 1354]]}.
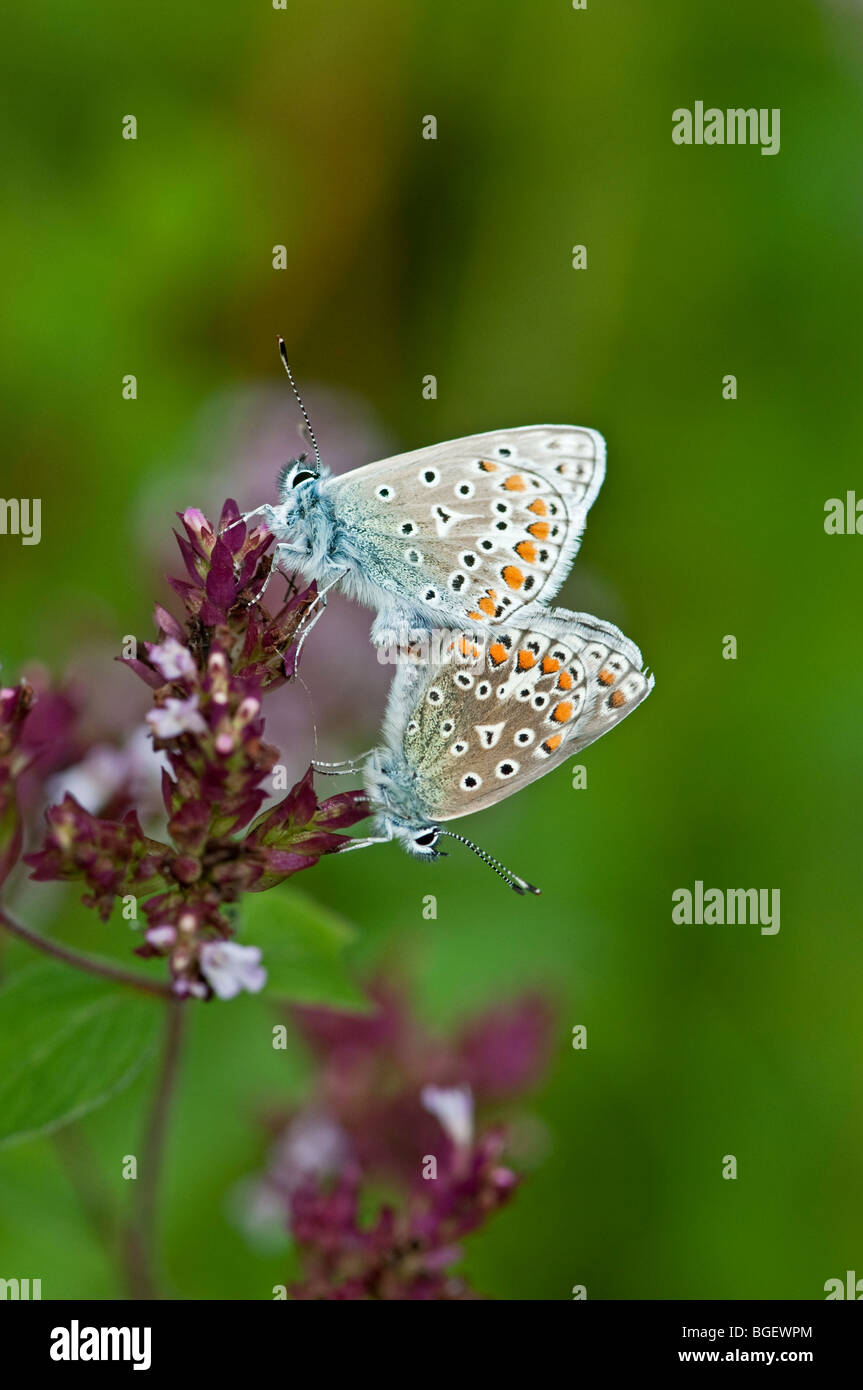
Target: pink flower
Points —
{"points": [[453, 1107], [397, 1098], [106, 774], [173, 660], [207, 675], [313, 1146], [228, 968], [15, 705], [177, 717], [162, 937]]}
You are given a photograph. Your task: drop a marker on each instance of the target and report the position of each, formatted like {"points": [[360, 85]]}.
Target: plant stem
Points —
{"points": [[127, 978], [141, 1242], [85, 1179]]}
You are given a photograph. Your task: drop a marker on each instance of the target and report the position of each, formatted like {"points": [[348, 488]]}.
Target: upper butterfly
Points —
{"points": [[470, 533]]}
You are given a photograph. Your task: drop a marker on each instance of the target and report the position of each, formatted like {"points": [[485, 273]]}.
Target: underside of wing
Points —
{"points": [[479, 728], [486, 525]]}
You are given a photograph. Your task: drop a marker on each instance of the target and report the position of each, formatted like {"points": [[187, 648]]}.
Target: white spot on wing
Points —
{"points": [[508, 768], [445, 518]]}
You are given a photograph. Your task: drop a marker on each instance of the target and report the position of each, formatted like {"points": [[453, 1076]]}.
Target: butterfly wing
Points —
{"points": [[478, 527], [472, 734]]}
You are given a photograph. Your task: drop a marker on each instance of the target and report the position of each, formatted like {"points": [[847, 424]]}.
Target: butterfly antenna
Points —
{"points": [[283, 353], [518, 885]]}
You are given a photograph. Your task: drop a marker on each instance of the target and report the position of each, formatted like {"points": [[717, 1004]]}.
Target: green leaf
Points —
{"points": [[68, 1043], [303, 947]]}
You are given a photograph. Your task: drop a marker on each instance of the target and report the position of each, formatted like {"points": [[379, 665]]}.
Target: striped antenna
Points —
{"points": [[518, 885], [283, 353]]}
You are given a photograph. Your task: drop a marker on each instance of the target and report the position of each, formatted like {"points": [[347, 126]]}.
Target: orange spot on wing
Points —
{"points": [[540, 530], [487, 606], [526, 659], [565, 682], [617, 699], [550, 664], [476, 617], [464, 646], [538, 507], [512, 577], [488, 467], [562, 712], [497, 652], [606, 677], [515, 483], [527, 551], [554, 742]]}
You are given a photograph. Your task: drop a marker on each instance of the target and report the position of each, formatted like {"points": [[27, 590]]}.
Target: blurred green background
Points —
{"points": [[302, 127]]}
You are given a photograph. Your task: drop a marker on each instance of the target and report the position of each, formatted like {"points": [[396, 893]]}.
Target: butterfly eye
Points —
{"points": [[427, 840], [302, 477]]}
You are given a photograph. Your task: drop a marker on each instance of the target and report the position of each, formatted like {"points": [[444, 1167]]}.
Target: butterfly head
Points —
{"points": [[296, 479], [303, 512], [389, 787], [300, 479], [420, 841]]}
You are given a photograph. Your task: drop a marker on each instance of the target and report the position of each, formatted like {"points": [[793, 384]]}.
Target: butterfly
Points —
{"points": [[493, 715], [464, 534]]}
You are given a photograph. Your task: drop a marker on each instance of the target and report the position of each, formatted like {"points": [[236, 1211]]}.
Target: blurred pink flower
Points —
{"points": [[177, 717], [229, 968], [108, 776], [393, 1103], [452, 1106]]}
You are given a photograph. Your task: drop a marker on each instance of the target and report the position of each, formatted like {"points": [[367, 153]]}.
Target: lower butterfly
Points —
{"points": [[492, 716]]}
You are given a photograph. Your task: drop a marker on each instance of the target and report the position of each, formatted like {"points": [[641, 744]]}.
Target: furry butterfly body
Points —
{"points": [[493, 717], [466, 534]]}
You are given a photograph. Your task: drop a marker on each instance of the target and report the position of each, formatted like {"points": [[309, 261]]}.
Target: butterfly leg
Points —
{"points": [[281, 552], [318, 606], [344, 768], [364, 844], [244, 517]]}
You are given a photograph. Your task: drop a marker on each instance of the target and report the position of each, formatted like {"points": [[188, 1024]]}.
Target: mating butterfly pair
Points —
{"points": [[475, 535]]}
